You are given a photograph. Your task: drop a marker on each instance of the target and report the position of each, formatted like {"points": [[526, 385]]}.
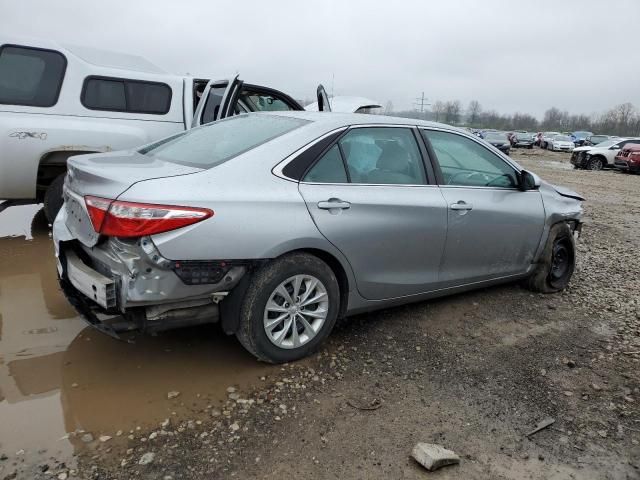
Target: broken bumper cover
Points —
{"points": [[120, 286]]}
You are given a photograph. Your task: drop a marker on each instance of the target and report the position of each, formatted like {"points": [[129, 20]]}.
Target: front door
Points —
{"points": [[370, 197], [493, 227]]}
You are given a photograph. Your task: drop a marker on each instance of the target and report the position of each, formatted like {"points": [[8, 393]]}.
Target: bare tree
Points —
{"points": [[452, 110], [473, 112], [439, 110], [388, 109]]}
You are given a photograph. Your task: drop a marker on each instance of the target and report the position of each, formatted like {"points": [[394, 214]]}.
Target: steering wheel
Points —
{"points": [[509, 177], [470, 176]]}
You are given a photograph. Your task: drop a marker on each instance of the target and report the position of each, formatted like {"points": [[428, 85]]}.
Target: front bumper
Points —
{"points": [[119, 286], [579, 159], [626, 165]]}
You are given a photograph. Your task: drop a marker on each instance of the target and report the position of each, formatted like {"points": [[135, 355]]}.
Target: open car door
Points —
{"points": [[218, 101], [323, 100]]}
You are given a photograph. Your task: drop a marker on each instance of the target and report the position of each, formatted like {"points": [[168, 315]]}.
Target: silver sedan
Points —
{"points": [[277, 224]]}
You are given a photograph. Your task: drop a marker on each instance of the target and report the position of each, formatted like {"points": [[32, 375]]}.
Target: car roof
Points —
{"points": [[335, 120]]}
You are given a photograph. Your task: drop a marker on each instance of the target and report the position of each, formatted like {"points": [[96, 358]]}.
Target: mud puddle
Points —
{"points": [[58, 376]]}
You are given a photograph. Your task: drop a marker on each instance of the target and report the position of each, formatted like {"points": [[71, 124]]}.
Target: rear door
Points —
{"points": [[218, 101], [493, 227], [370, 196]]}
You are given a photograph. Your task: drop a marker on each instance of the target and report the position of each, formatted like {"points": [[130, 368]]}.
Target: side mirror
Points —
{"points": [[528, 181], [614, 147]]}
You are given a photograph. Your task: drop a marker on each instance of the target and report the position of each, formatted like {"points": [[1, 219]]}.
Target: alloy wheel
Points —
{"points": [[296, 311]]}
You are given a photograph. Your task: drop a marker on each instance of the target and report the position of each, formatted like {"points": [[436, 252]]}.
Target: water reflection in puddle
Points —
{"points": [[58, 376]]}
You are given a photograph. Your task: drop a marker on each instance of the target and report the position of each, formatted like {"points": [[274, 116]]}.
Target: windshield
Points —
{"points": [[495, 136], [217, 142], [562, 138], [598, 138], [581, 134], [608, 143], [524, 136]]}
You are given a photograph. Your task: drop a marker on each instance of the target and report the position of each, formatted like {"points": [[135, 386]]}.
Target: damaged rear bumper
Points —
{"points": [[121, 287]]}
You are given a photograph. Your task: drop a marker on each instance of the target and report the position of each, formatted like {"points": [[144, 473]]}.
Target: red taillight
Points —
{"points": [[116, 218]]}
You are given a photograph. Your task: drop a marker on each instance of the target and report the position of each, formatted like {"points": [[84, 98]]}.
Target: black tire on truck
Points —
{"points": [[53, 198]]}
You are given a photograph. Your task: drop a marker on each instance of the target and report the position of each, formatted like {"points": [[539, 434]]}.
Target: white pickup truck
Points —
{"points": [[58, 101]]}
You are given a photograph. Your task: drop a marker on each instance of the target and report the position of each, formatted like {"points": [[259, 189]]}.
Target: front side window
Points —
{"points": [[383, 155], [214, 144], [123, 95], [30, 76], [465, 162]]}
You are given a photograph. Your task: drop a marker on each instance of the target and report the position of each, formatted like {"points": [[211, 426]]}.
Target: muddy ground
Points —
{"points": [[474, 372]]}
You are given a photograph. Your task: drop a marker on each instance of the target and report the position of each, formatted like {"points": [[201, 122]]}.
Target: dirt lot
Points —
{"points": [[474, 373]]}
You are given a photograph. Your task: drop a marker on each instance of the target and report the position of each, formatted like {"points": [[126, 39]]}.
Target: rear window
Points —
{"points": [[123, 95], [30, 76], [215, 143]]}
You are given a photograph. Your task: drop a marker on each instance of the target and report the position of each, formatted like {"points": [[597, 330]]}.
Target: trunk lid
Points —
{"points": [[108, 176]]}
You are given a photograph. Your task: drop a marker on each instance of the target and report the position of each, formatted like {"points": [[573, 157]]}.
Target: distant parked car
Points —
{"points": [[628, 159], [561, 143], [579, 137], [523, 139], [498, 140], [599, 156], [546, 138], [595, 139]]}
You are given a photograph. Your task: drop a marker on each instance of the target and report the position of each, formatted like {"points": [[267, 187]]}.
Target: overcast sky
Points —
{"points": [[518, 55]]}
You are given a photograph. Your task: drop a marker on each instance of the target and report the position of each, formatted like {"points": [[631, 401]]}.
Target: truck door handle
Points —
{"points": [[333, 203], [461, 205]]}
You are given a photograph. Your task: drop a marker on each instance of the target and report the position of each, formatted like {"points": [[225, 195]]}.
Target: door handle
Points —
{"points": [[333, 203], [461, 205]]}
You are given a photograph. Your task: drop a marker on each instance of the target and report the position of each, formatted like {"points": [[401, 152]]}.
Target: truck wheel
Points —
{"points": [[53, 198], [557, 262], [290, 307]]}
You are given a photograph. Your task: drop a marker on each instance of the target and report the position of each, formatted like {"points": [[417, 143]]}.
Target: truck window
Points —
{"points": [[30, 76], [124, 95]]}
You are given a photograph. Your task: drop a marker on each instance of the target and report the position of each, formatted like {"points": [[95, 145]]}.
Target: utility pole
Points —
{"points": [[421, 102]]}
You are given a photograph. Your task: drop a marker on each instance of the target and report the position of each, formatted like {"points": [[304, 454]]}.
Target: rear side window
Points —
{"points": [[329, 169], [30, 76], [210, 145], [122, 95]]}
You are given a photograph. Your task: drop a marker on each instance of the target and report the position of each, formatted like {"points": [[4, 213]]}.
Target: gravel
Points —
{"points": [[473, 372]]}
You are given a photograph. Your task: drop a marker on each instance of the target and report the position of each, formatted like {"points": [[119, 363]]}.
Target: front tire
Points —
{"points": [[557, 262], [53, 198], [595, 163], [289, 309]]}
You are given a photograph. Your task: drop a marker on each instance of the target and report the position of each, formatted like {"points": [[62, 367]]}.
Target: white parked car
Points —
{"points": [[546, 138], [561, 143], [597, 157], [59, 101]]}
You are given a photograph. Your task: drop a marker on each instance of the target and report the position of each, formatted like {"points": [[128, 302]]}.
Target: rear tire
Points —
{"points": [[557, 262], [276, 325], [53, 198]]}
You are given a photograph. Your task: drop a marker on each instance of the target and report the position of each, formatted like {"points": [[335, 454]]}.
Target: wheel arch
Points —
{"points": [[230, 306], [339, 271], [53, 163]]}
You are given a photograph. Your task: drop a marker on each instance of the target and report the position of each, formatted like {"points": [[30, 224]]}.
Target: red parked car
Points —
{"points": [[628, 159]]}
